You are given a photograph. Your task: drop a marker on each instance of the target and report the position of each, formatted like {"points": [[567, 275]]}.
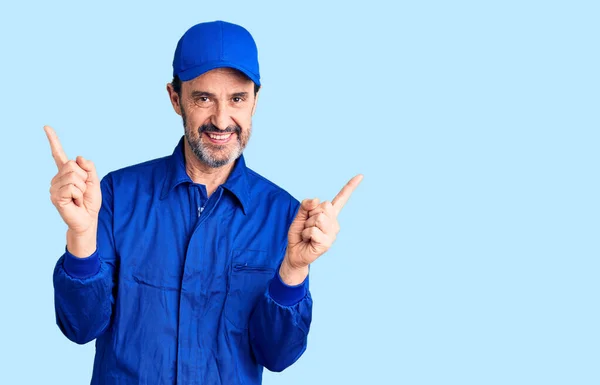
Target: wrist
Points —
{"points": [[292, 275], [82, 245]]}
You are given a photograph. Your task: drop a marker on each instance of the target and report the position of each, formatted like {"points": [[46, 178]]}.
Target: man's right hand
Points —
{"points": [[75, 191]]}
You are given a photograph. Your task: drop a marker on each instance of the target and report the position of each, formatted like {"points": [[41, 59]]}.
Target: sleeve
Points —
{"points": [[84, 288], [281, 320]]}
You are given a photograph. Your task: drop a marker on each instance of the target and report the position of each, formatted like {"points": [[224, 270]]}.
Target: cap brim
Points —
{"points": [[194, 72]]}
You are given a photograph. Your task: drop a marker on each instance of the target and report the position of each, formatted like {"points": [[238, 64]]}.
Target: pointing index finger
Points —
{"points": [[342, 197], [58, 153]]}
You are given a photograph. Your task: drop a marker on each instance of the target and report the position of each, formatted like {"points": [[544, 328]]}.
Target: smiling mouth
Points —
{"points": [[219, 138]]}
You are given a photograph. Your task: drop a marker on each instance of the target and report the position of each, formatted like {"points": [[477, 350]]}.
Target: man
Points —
{"points": [[192, 268]]}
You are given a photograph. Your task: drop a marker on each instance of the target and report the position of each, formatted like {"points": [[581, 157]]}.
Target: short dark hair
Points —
{"points": [[176, 83]]}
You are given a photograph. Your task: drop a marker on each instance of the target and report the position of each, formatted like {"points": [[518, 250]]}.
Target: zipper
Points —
{"points": [[200, 210], [246, 267]]}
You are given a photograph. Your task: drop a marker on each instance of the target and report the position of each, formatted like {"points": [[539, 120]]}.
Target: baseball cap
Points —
{"points": [[216, 44]]}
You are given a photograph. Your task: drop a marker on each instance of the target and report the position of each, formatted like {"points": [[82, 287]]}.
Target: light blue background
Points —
{"points": [[469, 255]]}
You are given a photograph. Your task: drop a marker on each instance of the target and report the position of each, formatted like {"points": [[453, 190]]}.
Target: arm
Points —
{"points": [[280, 323], [84, 285]]}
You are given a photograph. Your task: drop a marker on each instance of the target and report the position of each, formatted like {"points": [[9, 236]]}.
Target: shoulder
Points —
{"points": [[263, 186], [145, 172]]}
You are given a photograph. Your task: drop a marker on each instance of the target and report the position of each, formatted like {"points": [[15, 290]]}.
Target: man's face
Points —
{"points": [[217, 109]]}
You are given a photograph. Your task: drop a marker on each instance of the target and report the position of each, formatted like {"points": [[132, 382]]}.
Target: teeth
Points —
{"points": [[219, 137]]}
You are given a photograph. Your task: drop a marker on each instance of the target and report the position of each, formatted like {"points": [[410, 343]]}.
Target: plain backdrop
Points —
{"points": [[469, 254]]}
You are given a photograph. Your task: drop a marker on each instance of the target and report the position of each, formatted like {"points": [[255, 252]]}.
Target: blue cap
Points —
{"points": [[215, 44]]}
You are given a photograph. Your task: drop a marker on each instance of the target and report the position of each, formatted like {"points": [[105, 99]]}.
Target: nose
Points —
{"points": [[221, 117]]}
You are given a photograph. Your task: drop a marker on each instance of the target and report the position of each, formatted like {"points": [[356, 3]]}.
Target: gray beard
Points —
{"points": [[202, 151]]}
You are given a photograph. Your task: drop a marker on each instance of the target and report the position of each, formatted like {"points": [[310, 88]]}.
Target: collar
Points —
{"points": [[236, 183]]}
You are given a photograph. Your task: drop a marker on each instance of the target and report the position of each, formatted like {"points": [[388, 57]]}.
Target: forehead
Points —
{"points": [[220, 78]]}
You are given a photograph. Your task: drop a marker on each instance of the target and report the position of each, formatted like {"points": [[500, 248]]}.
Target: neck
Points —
{"points": [[202, 174]]}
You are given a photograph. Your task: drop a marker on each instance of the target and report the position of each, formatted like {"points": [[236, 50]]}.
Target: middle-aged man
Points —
{"points": [[192, 268]]}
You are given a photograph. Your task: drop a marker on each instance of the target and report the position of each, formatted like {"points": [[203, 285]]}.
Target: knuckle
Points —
{"points": [[74, 190], [67, 181], [72, 164], [321, 218], [80, 173], [66, 168], [75, 178]]}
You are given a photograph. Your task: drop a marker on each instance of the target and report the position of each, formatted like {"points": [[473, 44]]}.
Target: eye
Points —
{"points": [[202, 101], [237, 99]]}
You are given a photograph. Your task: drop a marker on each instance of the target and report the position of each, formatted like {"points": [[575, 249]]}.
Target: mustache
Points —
{"points": [[211, 128]]}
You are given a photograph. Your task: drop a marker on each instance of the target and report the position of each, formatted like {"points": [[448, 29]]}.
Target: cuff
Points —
{"points": [[81, 267], [285, 294]]}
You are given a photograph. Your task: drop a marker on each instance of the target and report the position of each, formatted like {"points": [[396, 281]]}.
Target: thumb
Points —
{"points": [[306, 206], [297, 226], [88, 166]]}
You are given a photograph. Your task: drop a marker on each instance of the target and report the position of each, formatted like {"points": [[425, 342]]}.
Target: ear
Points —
{"points": [[174, 98], [255, 100]]}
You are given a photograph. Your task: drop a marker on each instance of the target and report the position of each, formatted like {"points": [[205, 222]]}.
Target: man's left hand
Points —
{"points": [[312, 233]]}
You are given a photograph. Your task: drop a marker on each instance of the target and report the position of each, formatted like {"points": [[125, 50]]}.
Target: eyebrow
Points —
{"points": [[201, 94], [205, 94]]}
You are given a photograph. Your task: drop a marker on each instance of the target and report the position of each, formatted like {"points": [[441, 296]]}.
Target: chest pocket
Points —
{"points": [[155, 267], [249, 276]]}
